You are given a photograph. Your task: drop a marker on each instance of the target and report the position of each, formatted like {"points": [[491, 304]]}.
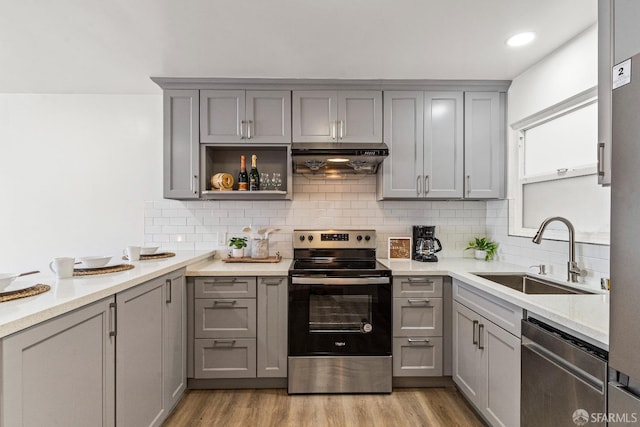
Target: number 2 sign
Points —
{"points": [[621, 74]]}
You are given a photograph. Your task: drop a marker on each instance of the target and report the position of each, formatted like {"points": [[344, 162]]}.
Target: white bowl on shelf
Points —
{"points": [[6, 279], [148, 250], [95, 261]]}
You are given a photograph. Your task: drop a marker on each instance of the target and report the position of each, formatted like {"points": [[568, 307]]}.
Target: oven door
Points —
{"points": [[339, 316]]}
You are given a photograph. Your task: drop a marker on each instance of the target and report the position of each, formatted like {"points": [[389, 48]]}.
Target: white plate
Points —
{"points": [[84, 267], [15, 287]]}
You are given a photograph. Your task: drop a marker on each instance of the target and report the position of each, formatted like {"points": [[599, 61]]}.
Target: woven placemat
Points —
{"points": [[104, 270], [154, 256], [23, 293]]}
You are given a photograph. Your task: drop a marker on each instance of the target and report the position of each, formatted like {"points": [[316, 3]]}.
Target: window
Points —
{"points": [[556, 172]]}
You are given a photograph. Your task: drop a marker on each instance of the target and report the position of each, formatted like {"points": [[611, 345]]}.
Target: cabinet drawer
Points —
{"points": [[417, 357], [225, 318], [225, 358], [500, 312], [225, 287], [417, 317], [417, 286]]}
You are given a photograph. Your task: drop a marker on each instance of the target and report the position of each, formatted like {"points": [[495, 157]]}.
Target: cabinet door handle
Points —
{"points": [[249, 122], [168, 284], [480, 343], [242, 122], [418, 185], [341, 129], [468, 185], [195, 184], [426, 184], [224, 302], [474, 338], [333, 129], [601, 171], [423, 340], [418, 300], [113, 319]]}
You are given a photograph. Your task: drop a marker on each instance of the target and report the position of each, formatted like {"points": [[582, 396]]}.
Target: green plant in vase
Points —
{"points": [[238, 244], [484, 248]]}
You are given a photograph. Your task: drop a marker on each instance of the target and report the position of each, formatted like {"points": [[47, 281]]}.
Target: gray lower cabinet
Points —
{"points": [[151, 350], [240, 327], [181, 144], [417, 326], [486, 356], [60, 372]]}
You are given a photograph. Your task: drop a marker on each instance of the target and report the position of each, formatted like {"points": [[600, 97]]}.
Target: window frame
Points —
{"points": [[518, 180]]}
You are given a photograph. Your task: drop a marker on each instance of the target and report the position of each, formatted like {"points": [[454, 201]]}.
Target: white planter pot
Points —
{"points": [[237, 253], [480, 254]]}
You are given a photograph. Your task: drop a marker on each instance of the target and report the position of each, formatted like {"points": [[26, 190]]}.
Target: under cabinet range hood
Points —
{"points": [[338, 158]]}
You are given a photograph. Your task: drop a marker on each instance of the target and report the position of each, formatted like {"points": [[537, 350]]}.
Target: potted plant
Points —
{"points": [[484, 248], [238, 243]]}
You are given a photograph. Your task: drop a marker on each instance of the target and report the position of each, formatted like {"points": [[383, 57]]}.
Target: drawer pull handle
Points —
{"points": [[223, 282], [225, 342], [474, 339], [424, 340], [223, 302], [416, 301], [272, 282], [418, 280]]}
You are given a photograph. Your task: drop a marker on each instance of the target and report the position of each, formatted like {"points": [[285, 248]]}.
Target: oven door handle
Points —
{"points": [[340, 280]]}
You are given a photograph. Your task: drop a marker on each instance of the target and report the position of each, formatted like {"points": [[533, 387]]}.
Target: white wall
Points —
{"points": [[75, 171], [566, 72]]}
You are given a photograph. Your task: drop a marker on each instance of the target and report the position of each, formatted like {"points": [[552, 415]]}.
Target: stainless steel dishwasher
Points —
{"points": [[564, 379]]}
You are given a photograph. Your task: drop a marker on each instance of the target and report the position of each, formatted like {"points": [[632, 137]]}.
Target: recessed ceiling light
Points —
{"points": [[521, 39]]}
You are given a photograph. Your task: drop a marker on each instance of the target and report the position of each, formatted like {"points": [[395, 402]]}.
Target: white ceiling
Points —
{"points": [[114, 46]]}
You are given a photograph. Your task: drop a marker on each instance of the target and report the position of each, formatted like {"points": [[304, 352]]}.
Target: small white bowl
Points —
{"points": [[148, 250], [95, 261], [6, 279]]}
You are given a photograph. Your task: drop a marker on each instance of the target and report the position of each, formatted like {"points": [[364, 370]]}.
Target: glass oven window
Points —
{"points": [[338, 313]]}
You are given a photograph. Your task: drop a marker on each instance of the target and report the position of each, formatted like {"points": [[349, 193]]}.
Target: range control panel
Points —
{"points": [[334, 239]]}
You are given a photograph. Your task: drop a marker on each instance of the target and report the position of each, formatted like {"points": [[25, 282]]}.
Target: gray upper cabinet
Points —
{"points": [[60, 372], [181, 146], [238, 116], [337, 116], [424, 132], [484, 145]]}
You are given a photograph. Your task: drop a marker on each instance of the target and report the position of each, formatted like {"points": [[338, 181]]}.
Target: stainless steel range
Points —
{"points": [[339, 314]]}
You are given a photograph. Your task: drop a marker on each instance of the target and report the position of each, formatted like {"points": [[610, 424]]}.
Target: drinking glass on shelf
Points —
{"points": [[276, 181], [265, 182]]}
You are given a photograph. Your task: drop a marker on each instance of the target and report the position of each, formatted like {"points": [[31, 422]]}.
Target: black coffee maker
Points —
{"points": [[425, 244]]}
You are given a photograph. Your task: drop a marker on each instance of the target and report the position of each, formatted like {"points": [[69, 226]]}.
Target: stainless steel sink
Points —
{"points": [[524, 283]]}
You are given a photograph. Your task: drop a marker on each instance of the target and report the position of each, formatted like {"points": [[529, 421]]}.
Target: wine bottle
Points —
{"points": [[254, 176], [243, 178]]}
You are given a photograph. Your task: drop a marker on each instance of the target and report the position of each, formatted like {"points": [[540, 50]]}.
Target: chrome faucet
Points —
{"points": [[573, 271]]}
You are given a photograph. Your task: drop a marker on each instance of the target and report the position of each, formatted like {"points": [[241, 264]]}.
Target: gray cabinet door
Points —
{"points": [[403, 133], [225, 358], [443, 144], [222, 115], [181, 146], [60, 372], [417, 317], [483, 145], [359, 116], [139, 355], [315, 115], [175, 346], [272, 327], [605, 63], [268, 117], [225, 318], [417, 357], [469, 371]]}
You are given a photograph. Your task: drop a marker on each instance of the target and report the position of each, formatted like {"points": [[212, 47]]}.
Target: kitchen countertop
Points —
{"points": [[584, 316], [69, 294]]}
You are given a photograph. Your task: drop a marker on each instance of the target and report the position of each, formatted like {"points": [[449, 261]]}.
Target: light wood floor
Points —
{"points": [[273, 407]]}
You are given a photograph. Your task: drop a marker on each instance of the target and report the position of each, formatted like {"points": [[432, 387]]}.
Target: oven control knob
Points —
{"points": [[310, 237], [359, 238], [367, 237], [367, 327], [302, 238]]}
